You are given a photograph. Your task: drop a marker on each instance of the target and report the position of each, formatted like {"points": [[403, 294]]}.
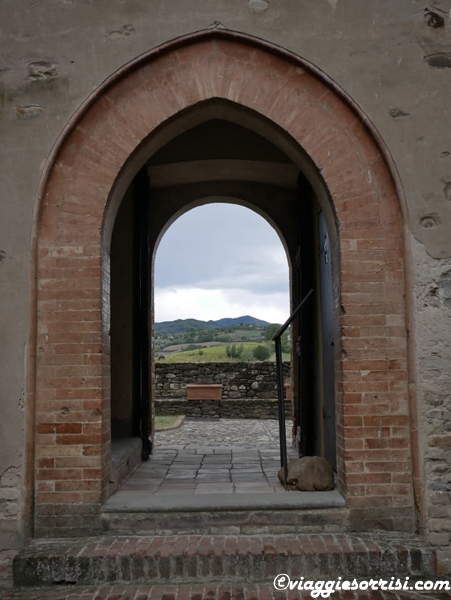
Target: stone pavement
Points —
{"points": [[243, 433], [205, 456], [207, 470]]}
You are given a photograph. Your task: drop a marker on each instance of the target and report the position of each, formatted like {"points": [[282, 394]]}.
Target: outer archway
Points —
{"points": [[375, 446]]}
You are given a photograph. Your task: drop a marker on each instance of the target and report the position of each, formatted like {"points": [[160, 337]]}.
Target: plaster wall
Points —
{"points": [[392, 57]]}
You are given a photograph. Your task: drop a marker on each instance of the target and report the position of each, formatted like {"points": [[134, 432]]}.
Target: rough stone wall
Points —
{"points": [[243, 408], [239, 380], [433, 305], [10, 513]]}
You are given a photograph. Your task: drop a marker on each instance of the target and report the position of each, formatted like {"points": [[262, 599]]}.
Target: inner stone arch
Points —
{"points": [[220, 161]]}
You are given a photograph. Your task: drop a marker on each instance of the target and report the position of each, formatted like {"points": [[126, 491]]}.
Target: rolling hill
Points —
{"points": [[180, 325]]}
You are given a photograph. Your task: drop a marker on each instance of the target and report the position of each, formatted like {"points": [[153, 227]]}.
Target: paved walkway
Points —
{"points": [[242, 433], [207, 471], [206, 456]]}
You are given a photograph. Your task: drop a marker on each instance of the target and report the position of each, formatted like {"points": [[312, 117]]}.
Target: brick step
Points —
{"points": [[184, 559], [211, 591], [212, 514]]}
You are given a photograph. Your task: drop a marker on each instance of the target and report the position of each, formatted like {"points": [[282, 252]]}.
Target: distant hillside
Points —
{"points": [[180, 325], [246, 320]]}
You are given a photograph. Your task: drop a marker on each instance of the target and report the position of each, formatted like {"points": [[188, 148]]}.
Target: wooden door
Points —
{"points": [[142, 312], [305, 340], [328, 351]]}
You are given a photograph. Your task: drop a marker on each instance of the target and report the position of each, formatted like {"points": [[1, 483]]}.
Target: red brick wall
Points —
{"points": [[72, 378]]}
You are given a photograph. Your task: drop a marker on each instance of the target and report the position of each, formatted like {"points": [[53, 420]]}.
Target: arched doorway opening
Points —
{"points": [[219, 160], [344, 161]]}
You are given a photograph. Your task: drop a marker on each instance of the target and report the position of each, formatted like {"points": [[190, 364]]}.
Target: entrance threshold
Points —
{"points": [[226, 490], [133, 503], [225, 514]]}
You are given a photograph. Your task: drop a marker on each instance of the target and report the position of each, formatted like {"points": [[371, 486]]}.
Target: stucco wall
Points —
{"points": [[387, 55]]}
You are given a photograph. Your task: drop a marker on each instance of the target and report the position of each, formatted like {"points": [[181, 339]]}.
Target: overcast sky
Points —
{"points": [[221, 260]]}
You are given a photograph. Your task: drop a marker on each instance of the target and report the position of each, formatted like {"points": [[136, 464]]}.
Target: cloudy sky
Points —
{"points": [[221, 260]]}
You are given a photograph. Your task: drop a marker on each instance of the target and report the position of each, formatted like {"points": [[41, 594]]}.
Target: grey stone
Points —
{"points": [[308, 474]]}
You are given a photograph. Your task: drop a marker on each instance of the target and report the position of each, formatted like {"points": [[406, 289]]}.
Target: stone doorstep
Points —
{"points": [[188, 559], [295, 501], [220, 511]]}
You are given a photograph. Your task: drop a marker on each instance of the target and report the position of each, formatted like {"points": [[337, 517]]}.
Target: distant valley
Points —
{"points": [[225, 340]]}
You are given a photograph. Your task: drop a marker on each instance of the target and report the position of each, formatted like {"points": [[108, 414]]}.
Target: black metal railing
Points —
{"points": [[280, 385]]}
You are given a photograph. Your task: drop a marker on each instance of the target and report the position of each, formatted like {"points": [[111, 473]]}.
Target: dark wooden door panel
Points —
{"points": [[327, 318]]}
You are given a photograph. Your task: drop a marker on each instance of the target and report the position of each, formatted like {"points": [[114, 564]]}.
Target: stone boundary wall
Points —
{"points": [[242, 408], [239, 380]]}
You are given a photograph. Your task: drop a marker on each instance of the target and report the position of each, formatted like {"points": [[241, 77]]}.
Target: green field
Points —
{"points": [[243, 336], [217, 354], [189, 332], [212, 354], [221, 341], [162, 421]]}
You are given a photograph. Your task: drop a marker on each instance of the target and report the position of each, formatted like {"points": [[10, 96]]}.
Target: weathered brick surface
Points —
{"points": [[242, 591], [72, 379], [174, 558]]}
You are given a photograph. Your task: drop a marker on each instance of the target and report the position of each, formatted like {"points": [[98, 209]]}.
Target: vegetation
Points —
{"points": [[219, 354], [271, 331], [234, 351], [166, 421], [203, 341], [261, 352], [181, 325], [211, 354], [192, 338]]}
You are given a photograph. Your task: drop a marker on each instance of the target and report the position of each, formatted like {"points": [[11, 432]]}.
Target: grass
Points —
{"points": [[166, 421], [212, 354], [215, 354], [236, 336]]}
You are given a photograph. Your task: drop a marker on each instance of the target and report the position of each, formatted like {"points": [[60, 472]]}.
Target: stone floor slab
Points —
{"points": [[184, 464]]}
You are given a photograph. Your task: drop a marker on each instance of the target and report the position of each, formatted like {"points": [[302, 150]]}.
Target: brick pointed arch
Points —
{"points": [[69, 365]]}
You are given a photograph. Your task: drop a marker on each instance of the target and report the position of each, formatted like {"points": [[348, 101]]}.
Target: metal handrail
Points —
{"points": [[280, 387]]}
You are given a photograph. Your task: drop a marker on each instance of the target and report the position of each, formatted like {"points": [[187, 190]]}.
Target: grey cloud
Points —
{"points": [[222, 246]]}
